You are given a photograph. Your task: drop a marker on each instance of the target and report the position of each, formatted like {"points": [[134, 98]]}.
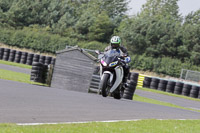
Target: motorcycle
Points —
{"points": [[112, 74]]}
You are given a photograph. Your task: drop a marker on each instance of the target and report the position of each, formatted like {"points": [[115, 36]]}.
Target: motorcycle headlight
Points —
{"points": [[103, 63], [113, 64]]}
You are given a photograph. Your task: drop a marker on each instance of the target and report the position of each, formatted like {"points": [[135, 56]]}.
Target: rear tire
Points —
{"points": [[104, 85]]}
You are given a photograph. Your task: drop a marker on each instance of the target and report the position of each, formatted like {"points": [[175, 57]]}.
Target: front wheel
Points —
{"points": [[104, 85]]}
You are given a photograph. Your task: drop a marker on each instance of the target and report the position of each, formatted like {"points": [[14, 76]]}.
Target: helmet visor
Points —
{"points": [[115, 45]]}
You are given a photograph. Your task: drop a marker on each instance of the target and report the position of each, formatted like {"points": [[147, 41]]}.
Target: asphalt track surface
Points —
{"points": [[170, 99], [16, 69], [26, 103]]}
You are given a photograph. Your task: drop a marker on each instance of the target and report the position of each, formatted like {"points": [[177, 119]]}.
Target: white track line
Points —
{"points": [[110, 121]]}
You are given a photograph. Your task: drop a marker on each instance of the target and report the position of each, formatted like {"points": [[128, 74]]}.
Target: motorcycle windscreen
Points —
{"points": [[111, 56]]}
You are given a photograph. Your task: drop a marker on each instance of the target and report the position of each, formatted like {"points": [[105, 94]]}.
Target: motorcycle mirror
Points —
{"points": [[97, 51]]}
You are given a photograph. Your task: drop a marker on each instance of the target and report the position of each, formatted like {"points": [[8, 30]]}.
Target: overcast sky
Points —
{"points": [[185, 6]]}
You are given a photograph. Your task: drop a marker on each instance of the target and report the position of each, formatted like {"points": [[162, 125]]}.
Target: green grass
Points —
{"points": [[153, 101], [15, 64], [16, 76], [169, 94], [141, 126]]}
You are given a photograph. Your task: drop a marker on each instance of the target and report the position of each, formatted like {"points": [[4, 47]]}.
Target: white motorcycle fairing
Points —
{"points": [[119, 77]]}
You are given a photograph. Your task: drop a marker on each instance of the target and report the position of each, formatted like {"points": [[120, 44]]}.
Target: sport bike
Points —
{"points": [[112, 74]]}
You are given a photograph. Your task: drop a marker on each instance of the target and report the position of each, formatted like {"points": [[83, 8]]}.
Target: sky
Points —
{"points": [[185, 6]]}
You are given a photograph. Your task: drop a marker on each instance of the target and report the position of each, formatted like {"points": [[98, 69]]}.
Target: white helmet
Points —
{"points": [[115, 42]]}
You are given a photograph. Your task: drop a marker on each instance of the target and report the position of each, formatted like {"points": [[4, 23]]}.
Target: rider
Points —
{"points": [[115, 43]]}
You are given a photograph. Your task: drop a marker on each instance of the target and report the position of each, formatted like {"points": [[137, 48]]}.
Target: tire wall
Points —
{"points": [[131, 86], [39, 72], [176, 87], [24, 57], [38, 62]]}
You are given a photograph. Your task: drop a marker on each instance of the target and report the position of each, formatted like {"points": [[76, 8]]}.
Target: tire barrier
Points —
{"points": [[147, 82], [154, 83], [12, 55], [170, 86], [42, 59], [162, 85], [186, 89], [29, 60], [1, 53], [131, 85], [194, 91], [24, 57], [48, 60], [133, 77], [130, 89], [140, 80], [18, 56], [6, 54], [36, 58], [39, 72], [178, 88], [175, 87]]}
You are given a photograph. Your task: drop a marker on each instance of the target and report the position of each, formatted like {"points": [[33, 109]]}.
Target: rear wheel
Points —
{"points": [[104, 85]]}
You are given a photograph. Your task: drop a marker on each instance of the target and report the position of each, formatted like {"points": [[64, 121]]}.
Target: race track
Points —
{"points": [[25, 103]]}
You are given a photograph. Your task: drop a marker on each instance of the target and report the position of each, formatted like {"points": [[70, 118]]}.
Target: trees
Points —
{"points": [[159, 31], [161, 8], [101, 29]]}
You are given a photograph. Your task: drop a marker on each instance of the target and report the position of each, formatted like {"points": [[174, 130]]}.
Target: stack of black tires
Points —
{"points": [[147, 82], [24, 57], [186, 89], [18, 55], [170, 86], [12, 55], [154, 83], [6, 54], [177, 87], [39, 72], [162, 85], [29, 59], [131, 86], [1, 53], [195, 91]]}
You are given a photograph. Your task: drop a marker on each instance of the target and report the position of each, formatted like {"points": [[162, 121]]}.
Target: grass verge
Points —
{"points": [[15, 64], [169, 94], [16, 76], [141, 126], [153, 101]]}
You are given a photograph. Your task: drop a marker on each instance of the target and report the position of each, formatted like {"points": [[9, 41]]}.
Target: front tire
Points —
{"points": [[104, 85]]}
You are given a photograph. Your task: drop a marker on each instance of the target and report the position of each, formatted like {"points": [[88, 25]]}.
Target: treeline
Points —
{"points": [[49, 25], [158, 34], [166, 41]]}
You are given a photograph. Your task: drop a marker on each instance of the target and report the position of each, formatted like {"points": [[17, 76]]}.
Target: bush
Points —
{"points": [[165, 65], [35, 39], [94, 45]]}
